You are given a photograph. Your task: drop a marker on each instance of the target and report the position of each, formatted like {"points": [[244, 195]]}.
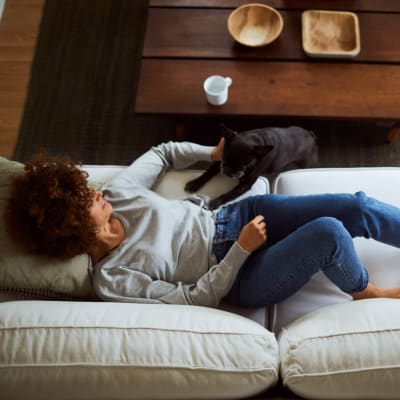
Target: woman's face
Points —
{"points": [[100, 210]]}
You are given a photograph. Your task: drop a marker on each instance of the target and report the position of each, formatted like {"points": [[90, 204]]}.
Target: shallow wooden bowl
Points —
{"points": [[330, 33], [255, 24]]}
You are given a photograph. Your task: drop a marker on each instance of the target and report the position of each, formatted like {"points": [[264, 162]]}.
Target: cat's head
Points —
{"points": [[240, 155]]}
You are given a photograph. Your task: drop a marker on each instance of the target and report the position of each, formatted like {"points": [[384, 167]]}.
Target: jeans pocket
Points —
{"points": [[228, 224], [227, 229]]}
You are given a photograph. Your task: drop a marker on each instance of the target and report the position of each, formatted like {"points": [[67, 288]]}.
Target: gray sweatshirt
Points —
{"points": [[167, 254]]}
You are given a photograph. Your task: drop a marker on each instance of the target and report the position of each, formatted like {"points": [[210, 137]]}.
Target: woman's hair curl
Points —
{"points": [[49, 208]]}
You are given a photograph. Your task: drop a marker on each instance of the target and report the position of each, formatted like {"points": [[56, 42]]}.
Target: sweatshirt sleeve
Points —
{"points": [[130, 285], [151, 166]]}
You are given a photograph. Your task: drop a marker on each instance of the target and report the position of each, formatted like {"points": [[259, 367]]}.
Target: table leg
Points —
{"points": [[180, 131], [394, 133]]}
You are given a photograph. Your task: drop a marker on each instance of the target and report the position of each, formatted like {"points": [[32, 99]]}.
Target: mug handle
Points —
{"points": [[228, 81]]}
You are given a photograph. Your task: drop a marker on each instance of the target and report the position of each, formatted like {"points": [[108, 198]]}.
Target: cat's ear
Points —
{"points": [[261, 151], [228, 133]]}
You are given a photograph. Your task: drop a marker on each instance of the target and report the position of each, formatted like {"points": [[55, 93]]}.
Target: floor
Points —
{"points": [[19, 27]]}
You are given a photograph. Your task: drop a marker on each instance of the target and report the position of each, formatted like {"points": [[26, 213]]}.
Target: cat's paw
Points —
{"points": [[193, 186]]}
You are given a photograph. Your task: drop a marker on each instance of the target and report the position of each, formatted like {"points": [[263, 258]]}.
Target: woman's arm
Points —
{"points": [[128, 284], [151, 166]]}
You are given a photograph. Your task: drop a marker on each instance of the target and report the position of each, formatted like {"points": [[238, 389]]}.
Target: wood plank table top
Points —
{"points": [[187, 40]]}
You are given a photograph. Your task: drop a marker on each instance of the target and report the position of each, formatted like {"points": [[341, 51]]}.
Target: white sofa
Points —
{"points": [[321, 344]]}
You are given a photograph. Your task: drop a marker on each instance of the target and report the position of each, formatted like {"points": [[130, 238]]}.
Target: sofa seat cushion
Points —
{"points": [[27, 276], [172, 183], [381, 260], [171, 186], [345, 351], [88, 350]]}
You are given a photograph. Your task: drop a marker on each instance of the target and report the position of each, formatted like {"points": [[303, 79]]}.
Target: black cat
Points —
{"points": [[250, 154]]}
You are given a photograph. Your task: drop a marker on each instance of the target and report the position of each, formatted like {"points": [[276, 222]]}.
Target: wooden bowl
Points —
{"points": [[255, 24], [330, 33]]}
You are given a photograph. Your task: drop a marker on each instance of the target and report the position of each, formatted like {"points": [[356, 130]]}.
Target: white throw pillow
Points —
{"points": [[345, 351]]}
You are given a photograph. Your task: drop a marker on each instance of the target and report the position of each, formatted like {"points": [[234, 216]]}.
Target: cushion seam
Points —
{"points": [[368, 332], [3, 329], [138, 365], [343, 372]]}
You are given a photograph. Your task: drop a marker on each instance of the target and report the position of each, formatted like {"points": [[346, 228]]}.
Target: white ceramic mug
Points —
{"points": [[216, 89]]}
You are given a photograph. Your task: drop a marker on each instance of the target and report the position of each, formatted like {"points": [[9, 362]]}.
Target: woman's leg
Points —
{"points": [[301, 241], [271, 274], [361, 215], [373, 291]]}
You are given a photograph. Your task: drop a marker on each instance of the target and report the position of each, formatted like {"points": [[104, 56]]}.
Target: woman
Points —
{"points": [[145, 248]]}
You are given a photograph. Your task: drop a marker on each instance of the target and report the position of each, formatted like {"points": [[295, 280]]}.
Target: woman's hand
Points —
{"points": [[253, 234], [216, 153]]}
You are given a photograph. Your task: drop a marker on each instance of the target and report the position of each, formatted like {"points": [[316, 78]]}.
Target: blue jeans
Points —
{"points": [[305, 234]]}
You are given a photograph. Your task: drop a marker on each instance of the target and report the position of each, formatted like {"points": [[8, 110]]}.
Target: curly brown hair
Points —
{"points": [[48, 210]]}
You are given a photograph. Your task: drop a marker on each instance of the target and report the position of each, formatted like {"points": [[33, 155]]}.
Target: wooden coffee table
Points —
{"points": [[187, 40]]}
